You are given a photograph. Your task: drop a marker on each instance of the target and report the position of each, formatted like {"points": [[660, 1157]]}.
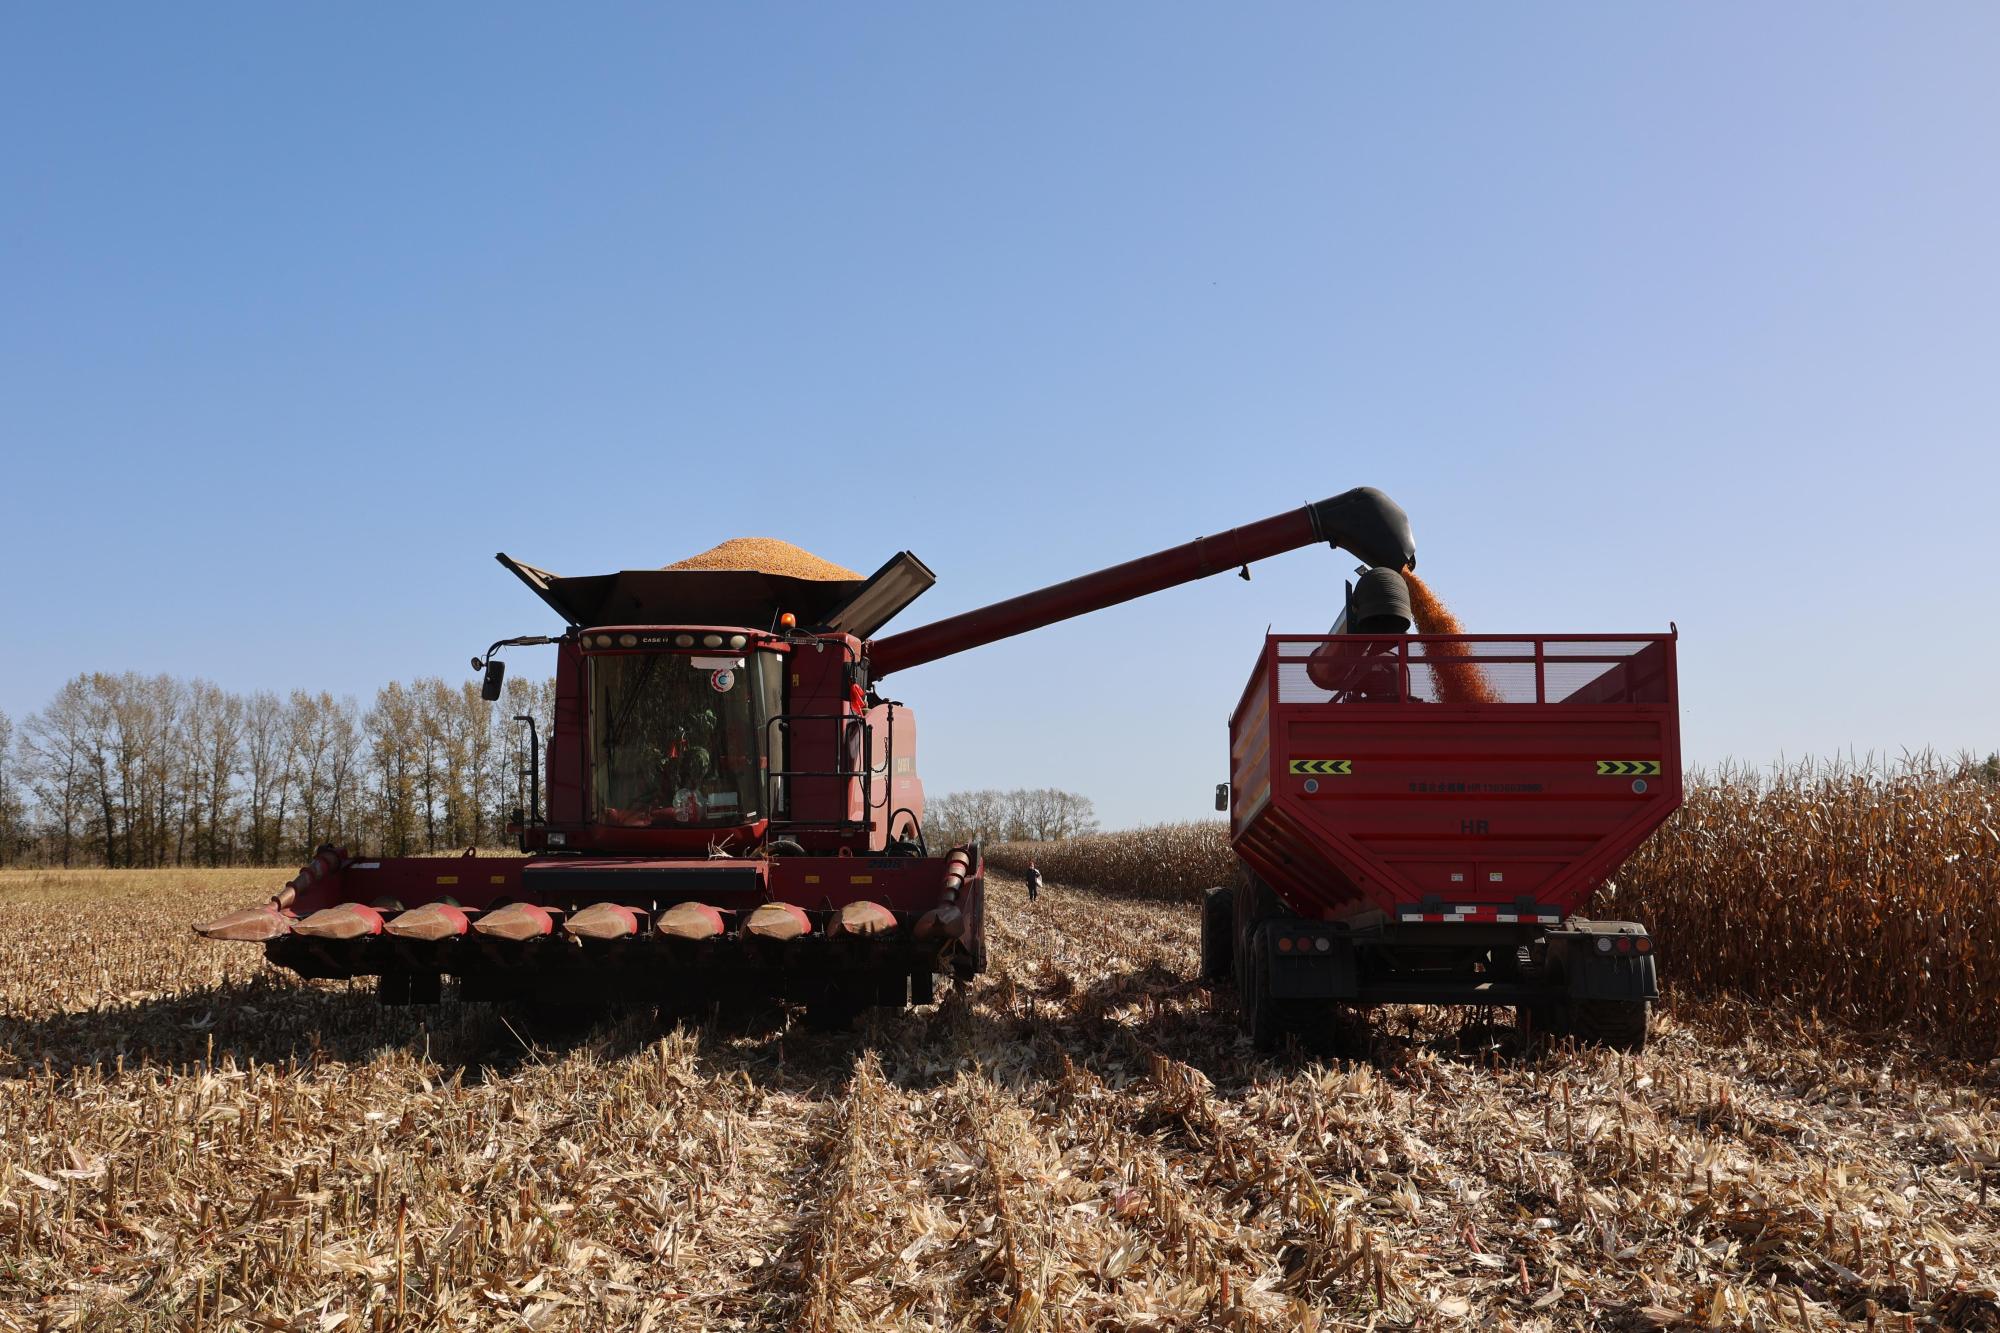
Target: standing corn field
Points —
{"points": [[1870, 897]]}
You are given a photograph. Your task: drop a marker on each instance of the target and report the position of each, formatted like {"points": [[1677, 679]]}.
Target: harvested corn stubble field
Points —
{"points": [[1077, 1141]]}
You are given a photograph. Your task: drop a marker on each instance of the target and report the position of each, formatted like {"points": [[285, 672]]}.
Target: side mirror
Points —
{"points": [[1222, 796], [496, 673]]}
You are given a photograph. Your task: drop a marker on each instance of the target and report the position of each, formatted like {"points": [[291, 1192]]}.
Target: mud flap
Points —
{"points": [[1591, 973], [1305, 971]]}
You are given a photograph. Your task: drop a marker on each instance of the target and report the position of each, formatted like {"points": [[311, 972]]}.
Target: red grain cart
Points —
{"points": [[1422, 817]]}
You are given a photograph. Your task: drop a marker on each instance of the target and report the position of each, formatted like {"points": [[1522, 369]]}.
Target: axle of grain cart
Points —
{"points": [[1300, 976]]}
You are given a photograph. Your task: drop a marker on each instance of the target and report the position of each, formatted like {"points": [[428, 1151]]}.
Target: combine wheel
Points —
{"points": [[834, 1010], [1218, 935], [1618, 1024], [399, 988]]}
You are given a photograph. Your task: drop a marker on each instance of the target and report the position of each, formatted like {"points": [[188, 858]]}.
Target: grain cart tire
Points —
{"points": [[1262, 1021], [1618, 1024], [1218, 935], [1339, 1029], [1540, 1021]]}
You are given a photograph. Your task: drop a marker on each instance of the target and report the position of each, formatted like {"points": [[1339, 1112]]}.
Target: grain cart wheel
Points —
{"points": [[1261, 1019], [1218, 935], [1540, 1021], [1618, 1024]]}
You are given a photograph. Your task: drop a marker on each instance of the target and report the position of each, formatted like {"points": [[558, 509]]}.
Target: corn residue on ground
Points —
{"points": [[1078, 1141]]}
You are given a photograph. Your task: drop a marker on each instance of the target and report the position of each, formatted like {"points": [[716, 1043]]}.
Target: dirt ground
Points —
{"points": [[1079, 1140]]}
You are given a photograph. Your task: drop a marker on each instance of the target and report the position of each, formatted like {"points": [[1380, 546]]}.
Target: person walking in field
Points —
{"points": [[1034, 882]]}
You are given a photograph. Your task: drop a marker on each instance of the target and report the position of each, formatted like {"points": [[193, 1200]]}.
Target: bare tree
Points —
{"points": [[393, 758], [343, 770], [1046, 814], [316, 724], [59, 766], [133, 770], [266, 747], [1037, 814], [13, 833], [219, 745]]}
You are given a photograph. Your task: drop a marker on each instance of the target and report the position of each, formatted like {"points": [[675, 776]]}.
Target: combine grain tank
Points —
{"points": [[1421, 818], [732, 801]]}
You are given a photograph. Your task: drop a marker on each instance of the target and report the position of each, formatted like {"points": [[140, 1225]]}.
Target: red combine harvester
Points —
{"points": [[1420, 816], [733, 804]]}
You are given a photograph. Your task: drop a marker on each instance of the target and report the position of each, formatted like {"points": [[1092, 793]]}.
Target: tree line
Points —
{"points": [[137, 770], [1026, 814]]}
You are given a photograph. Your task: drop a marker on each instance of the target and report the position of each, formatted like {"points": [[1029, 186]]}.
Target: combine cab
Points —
{"points": [[1421, 818], [733, 806]]}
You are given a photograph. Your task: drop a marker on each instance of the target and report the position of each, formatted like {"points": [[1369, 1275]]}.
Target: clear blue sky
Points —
{"points": [[1684, 312]]}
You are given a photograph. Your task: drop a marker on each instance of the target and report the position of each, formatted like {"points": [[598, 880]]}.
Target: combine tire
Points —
{"points": [[1618, 1024], [834, 1011], [1218, 935]]}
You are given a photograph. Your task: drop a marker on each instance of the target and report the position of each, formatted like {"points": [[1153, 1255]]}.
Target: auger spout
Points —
{"points": [[1363, 521]]}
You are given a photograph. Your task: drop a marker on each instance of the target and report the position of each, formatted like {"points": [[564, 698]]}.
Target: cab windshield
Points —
{"points": [[678, 740]]}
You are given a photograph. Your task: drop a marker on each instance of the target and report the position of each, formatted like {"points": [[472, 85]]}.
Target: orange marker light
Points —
{"points": [[788, 620]]}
